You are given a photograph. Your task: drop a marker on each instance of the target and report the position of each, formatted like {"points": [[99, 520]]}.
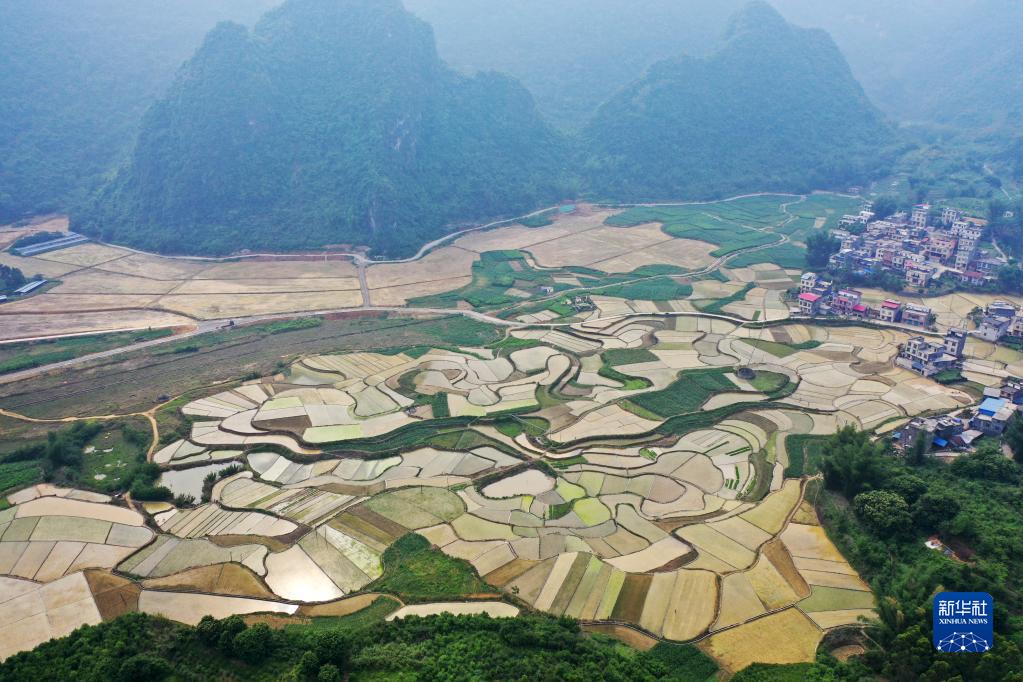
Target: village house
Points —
{"points": [[890, 311], [809, 304], [927, 357], [917, 275], [916, 315], [998, 319], [921, 214], [845, 301], [1011, 389], [937, 432], [915, 249], [812, 283], [993, 416]]}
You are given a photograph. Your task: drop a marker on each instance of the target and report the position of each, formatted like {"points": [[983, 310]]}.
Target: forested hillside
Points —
{"points": [[333, 122], [777, 108], [76, 78]]}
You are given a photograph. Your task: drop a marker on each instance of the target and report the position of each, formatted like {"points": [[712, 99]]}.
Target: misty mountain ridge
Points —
{"points": [[332, 122], [335, 122], [776, 108]]}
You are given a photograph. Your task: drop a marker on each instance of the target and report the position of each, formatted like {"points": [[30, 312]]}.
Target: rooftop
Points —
{"points": [[992, 405]]}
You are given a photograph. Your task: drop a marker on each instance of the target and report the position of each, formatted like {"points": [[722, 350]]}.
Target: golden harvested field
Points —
{"points": [[399, 295], [608, 248], [444, 263], [53, 302], [784, 637], [155, 267], [517, 237], [228, 579], [94, 281], [286, 269], [28, 325], [692, 604], [739, 601], [85, 255], [267, 286], [35, 266]]}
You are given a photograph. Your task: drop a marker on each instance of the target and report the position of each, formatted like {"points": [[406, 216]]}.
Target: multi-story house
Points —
{"points": [[890, 311], [940, 248], [916, 315], [921, 214], [845, 301], [949, 215], [927, 357], [809, 304], [917, 274]]}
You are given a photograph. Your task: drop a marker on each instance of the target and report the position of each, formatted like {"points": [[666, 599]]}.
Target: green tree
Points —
{"points": [[886, 512], [144, 668], [819, 248], [308, 666], [885, 206], [933, 508], [329, 673], [1010, 278], [854, 463], [254, 644], [987, 463], [1014, 437], [918, 451]]}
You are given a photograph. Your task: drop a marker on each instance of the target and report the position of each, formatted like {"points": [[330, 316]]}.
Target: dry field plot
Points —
{"points": [[36, 266], [122, 290], [444, 263], [15, 324], [784, 637], [620, 249], [85, 255]]}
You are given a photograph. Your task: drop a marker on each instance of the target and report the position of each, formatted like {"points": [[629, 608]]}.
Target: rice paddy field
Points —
{"points": [[613, 466]]}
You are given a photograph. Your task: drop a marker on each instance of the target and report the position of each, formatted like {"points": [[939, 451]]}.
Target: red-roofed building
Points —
{"points": [[890, 311], [860, 310], [809, 304], [845, 301], [972, 277]]}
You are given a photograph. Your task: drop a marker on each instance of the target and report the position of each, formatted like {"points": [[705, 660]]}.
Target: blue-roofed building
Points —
{"points": [[993, 416], [991, 406]]}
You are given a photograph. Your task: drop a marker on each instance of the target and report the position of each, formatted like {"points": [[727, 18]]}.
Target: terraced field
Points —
{"points": [[615, 469]]}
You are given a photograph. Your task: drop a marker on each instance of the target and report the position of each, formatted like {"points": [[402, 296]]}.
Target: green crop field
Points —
{"points": [[617, 357], [14, 475], [686, 394], [781, 350], [805, 454], [786, 255]]}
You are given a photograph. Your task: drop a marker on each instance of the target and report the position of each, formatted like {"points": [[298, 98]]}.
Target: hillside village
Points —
{"points": [[922, 246]]}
